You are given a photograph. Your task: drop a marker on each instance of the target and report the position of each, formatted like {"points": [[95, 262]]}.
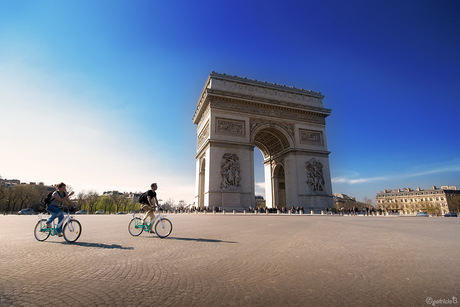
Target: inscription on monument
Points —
{"points": [[311, 137], [315, 178], [230, 126]]}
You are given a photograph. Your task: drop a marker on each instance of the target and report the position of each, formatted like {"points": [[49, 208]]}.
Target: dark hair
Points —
{"points": [[60, 185], [153, 185]]}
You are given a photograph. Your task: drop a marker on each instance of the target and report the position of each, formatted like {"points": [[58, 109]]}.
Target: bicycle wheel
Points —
{"points": [[135, 227], [72, 231], [163, 228], [41, 233]]}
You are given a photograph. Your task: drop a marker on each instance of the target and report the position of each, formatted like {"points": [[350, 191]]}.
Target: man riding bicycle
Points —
{"points": [[149, 202], [57, 199]]}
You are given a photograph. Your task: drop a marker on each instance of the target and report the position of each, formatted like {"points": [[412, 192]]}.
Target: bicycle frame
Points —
{"points": [[55, 226], [150, 224]]}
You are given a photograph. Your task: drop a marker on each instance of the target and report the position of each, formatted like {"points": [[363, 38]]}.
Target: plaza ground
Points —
{"points": [[235, 260]]}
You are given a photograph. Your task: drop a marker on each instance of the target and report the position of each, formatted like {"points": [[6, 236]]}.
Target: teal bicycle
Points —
{"points": [[161, 225], [71, 229]]}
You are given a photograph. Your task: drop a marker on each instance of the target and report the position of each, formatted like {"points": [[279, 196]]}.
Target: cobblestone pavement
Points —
{"points": [[235, 260]]}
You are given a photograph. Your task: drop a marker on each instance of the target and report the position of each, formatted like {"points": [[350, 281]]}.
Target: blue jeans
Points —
{"points": [[55, 213]]}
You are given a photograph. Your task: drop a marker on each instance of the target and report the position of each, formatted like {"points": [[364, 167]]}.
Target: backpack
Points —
{"points": [[48, 199], [143, 198]]}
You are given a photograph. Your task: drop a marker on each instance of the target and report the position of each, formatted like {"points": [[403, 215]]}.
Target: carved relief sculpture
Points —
{"points": [[311, 137], [227, 126], [315, 179], [230, 171]]}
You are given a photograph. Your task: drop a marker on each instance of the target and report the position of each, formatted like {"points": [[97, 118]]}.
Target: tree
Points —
{"points": [[425, 205], [80, 199], [117, 202], [3, 198], [91, 201], [105, 203], [125, 204], [368, 202], [169, 204], [454, 203], [432, 209], [14, 199]]}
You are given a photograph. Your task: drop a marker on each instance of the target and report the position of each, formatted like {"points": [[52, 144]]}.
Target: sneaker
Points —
{"points": [[152, 231], [60, 234]]}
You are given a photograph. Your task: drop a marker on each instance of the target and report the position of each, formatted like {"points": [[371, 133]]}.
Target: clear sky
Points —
{"points": [[101, 94]]}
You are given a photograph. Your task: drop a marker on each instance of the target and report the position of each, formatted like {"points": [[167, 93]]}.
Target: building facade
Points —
{"points": [[409, 201]]}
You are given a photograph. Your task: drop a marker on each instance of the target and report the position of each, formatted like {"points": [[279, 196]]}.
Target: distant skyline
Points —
{"points": [[101, 94]]}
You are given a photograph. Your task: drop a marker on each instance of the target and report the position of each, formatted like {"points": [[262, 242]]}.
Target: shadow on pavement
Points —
{"points": [[200, 240], [100, 245]]}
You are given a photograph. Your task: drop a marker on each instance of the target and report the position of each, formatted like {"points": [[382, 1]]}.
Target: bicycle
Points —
{"points": [[162, 226], [71, 229]]}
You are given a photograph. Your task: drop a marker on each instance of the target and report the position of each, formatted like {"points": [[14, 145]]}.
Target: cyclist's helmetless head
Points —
{"points": [[60, 186], [154, 186]]}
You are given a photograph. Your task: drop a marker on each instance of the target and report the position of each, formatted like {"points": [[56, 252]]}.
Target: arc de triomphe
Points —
{"points": [[287, 124]]}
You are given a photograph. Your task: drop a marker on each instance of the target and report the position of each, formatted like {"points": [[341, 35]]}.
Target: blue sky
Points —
{"points": [[101, 94]]}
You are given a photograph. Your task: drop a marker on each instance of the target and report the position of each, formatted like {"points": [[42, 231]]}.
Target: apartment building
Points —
{"points": [[408, 201]]}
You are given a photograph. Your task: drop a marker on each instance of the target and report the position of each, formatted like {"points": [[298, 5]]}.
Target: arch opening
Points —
{"points": [[271, 142], [259, 179]]}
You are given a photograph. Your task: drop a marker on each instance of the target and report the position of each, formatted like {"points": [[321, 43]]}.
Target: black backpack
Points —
{"points": [[143, 198], [48, 199]]}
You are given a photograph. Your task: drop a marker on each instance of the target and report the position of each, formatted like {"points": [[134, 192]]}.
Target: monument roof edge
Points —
{"points": [[200, 101], [217, 75]]}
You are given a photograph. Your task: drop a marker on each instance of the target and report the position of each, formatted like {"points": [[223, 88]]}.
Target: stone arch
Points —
{"points": [[233, 116], [271, 139]]}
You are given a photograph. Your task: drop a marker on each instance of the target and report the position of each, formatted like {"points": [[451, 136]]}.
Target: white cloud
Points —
{"points": [[451, 168], [348, 180], [260, 188], [354, 181]]}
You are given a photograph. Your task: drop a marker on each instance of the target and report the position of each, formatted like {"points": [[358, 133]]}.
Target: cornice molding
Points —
{"points": [[243, 89], [255, 108]]}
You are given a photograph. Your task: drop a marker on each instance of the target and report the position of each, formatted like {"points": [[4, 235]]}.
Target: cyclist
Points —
{"points": [[149, 203], [58, 198]]}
